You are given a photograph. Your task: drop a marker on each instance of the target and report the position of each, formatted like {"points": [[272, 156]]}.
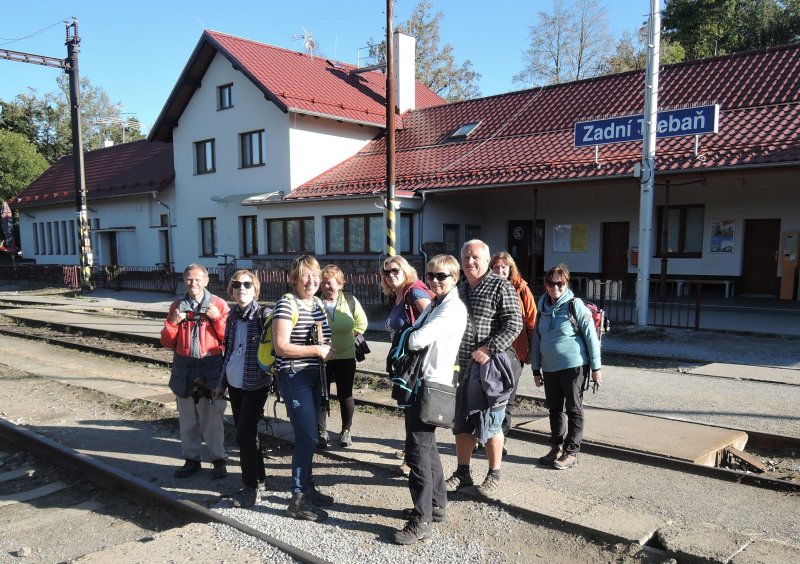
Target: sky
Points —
{"points": [[136, 50]]}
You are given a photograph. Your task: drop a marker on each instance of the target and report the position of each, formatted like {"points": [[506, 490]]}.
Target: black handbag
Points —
{"points": [[437, 404], [362, 348]]}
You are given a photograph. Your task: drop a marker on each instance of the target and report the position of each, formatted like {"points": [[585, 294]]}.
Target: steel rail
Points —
{"points": [[108, 476]]}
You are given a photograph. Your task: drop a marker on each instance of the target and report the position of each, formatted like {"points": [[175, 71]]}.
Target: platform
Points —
{"points": [[663, 437]]}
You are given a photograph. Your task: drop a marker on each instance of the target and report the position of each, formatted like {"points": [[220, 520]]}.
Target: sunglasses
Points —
{"points": [[558, 285], [236, 284], [440, 276], [388, 271]]}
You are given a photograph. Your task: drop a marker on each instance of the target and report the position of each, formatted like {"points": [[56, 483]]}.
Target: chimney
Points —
{"points": [[405, 71]]}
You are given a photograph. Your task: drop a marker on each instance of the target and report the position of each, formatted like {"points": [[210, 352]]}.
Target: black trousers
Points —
{"points": [[343, 372], [248, 409], [564, 396], [426, 480]]}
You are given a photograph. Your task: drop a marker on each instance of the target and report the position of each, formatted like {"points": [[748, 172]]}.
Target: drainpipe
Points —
{"points": [[169, 227]]}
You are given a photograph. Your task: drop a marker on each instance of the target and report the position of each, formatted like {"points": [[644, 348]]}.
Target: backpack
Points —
{"points": [[601, 322], [404, 367], [266, 348]]}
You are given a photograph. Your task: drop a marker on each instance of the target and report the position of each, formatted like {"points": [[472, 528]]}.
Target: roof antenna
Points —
{"points": [[308, 41]]}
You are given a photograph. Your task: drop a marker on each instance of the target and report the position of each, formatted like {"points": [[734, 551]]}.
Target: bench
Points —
{"points": [[683, 286]]}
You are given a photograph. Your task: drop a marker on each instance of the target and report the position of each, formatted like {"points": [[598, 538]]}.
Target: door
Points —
{"points": [[519, 244], [760, 256], [616, 238]]}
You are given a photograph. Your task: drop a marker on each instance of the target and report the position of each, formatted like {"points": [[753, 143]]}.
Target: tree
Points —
{"points": [[567, 43], [716, 27], [20, 163], [631, 53], [436, 66], [46, 122]]}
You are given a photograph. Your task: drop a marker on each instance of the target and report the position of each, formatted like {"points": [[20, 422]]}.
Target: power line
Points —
{"points": [[10, 40]]}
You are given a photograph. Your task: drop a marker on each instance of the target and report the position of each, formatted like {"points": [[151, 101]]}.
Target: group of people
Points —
{"points": [[479, 331]]}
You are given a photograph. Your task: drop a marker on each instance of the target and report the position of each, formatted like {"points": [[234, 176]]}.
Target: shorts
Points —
{"points": [[496, 417]]}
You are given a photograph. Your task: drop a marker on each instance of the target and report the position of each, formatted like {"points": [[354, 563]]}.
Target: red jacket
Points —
{"points": [[212, 333], [527, 304]]}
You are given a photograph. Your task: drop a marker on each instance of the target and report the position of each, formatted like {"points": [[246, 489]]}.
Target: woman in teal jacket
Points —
{"points": [[346, 322], [563, 349]]}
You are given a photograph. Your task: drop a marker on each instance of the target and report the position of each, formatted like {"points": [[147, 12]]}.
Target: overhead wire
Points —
{"points": [[10, 40]]}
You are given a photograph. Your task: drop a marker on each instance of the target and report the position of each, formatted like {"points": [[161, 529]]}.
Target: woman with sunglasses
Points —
{"points": [[410, 295], [298, 317], [246, 383], [563, 349], [440, 328], [503, 265]]}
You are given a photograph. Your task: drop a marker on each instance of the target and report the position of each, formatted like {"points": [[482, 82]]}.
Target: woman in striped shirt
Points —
{"points": [[299, 322]]}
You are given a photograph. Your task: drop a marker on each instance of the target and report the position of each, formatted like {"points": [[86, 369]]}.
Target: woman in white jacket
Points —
{"points": [[439, 327]]}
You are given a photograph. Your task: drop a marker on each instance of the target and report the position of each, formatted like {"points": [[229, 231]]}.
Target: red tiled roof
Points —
{"points": [[294, 81], [121, 170], [527, 136]]}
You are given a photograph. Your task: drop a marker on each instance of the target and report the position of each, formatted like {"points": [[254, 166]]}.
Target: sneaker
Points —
{"points": [[220, 470], [490, 488], [405, 469], [189, 467], [300, 507], [458, 481], [549, 458], [345, 440], [414, 531], [439, 514], [246, 497], [262, 485], [566, 461], [322, 440], [314, 495]]}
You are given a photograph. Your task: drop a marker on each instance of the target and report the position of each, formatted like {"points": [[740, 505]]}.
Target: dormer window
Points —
{"points": [[224, 96], [464, 131]]}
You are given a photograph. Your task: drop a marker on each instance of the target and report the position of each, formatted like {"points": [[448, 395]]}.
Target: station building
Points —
{"points": [[276, 152]]}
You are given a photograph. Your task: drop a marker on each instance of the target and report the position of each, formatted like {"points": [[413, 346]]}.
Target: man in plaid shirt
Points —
{"points": [[494, 322]]}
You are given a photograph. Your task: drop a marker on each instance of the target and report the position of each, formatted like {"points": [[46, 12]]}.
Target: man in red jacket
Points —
{"points": [[194, 329]]}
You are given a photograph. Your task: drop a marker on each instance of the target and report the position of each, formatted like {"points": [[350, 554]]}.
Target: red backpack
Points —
{"points": [[601, 322]]}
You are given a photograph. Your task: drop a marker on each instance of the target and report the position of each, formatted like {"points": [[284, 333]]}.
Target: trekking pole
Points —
{"points": [[319, 339]]}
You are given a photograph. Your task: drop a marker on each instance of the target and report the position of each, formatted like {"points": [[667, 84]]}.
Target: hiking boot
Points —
{"points": [[413, 532], [458, 481], [220, 470], [322, 440], [405, 469], [549, 458], [314, 495], [566, 460], [246, 497], [439, 514], [189, 467], [345, 440], [490, 488], [300, 507]]}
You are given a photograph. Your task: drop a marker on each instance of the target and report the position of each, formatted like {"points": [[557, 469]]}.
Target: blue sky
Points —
{"points": [[136, 50]]}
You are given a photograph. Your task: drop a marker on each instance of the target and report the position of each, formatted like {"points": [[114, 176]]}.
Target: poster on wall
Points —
{"points": [[722, 235], [571, 238]]}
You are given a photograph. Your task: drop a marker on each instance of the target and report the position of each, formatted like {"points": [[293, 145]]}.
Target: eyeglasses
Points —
{"points": [[440, 276], [558, 284], [236, 284], [388, 271]]}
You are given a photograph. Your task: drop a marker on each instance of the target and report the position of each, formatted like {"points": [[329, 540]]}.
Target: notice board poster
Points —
{"points": [[723, 232], [571, 238]]}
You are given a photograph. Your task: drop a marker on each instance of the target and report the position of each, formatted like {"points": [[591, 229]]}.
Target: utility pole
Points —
{"points": [[390, 203], [648, 164], [70, 66]]}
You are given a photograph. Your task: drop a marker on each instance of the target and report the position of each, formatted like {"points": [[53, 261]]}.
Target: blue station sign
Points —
{"points": [[669, 123]]}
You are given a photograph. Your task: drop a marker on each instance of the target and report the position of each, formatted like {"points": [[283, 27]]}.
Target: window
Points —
{"points": [[406, 244], [249, 235], [684, 231], [35, 238], [64, 239], [163, 220], [204, 157], [450, 239], [224, 96], [208, 236], [251, 148], [49, 237], [290, 235], [356, 234], [72, 237], [464, 131], [472, 232]]}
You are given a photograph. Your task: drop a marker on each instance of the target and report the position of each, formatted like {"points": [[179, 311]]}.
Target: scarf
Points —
{"points": [[548, 309]]}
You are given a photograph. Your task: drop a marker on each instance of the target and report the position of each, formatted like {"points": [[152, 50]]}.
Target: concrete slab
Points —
{"points": [[29, 495], [143, 329], [701, 543], [745, 372], [768, 552], [665, 437], [543, 503], [618, 524]]}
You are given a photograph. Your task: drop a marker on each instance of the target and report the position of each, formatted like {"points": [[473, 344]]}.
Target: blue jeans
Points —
{"points": [[302, 393]]}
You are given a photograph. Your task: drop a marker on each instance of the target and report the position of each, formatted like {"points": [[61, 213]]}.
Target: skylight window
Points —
{"points": [[464, 131]]}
